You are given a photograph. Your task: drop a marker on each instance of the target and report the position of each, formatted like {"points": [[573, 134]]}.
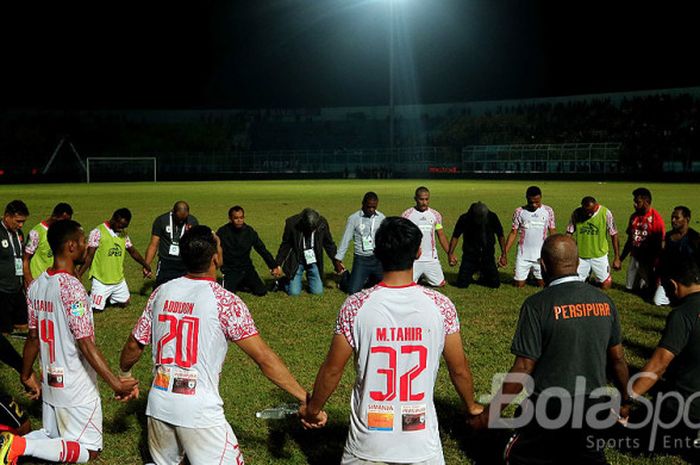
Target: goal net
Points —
{"points": [[121, 169]]}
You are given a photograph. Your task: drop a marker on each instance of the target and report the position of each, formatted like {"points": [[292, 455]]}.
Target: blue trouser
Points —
{"points": [[364, 268], [312, 275]]}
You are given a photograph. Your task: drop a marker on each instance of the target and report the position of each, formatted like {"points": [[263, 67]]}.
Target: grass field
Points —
{"points": [[300, 329]]}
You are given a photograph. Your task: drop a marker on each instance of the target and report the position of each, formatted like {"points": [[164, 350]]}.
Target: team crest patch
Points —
{"points": [[5, 244], [77, 309]]}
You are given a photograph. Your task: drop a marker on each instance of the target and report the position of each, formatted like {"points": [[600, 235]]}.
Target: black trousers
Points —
{"points": [[13, 310], [244, 279], [484, 265], [536, 445]]}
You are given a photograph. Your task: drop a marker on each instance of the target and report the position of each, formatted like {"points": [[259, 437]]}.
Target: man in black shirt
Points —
{"points": [[567, 335], [480, 227], [237, 239], [166, 232], [678, 352], [13, 305]]}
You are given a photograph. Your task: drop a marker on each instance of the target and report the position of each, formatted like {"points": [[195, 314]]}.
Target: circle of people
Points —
{"points": [[396, 329]]}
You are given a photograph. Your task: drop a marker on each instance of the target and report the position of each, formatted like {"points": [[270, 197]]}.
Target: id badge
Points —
{"points": [[18, 267], [309, 256], [367, 243], [174, 250]]}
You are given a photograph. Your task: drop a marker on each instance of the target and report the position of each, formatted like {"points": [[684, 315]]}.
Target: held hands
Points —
{"points": [[477, 417], [276, 272], [311, 421], [32, 387], [453, 260], [617, 264], [503, 261], [339, 267], [147, 272], [127, 389]]}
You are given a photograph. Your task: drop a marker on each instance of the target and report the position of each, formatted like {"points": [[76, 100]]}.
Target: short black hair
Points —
{"points": [[17, 207], [587, 200], [61, 232], [533, 191], [396, 243], [197, 246], [684, 210], [62, 209], [422, 189], [235, 208], [642, 192], [369, 196], [123, 213], [682, 268]]}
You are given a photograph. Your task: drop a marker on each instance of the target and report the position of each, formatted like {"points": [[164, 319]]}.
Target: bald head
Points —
{"points": [[559, 256], [181, 210]]}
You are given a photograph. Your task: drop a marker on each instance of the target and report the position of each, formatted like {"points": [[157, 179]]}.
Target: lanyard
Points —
{"points": [[303, 240], [9, 237], [172, 231], [371, 226]]}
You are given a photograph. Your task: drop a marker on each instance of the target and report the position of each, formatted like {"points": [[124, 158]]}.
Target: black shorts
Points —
{"points": [[12, 415], [13, 310]]}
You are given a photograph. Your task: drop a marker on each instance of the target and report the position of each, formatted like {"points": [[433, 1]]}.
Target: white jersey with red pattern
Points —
{"points": [[398, 335], [58, 307], [428, 222], [188, 322], [532, 230]]}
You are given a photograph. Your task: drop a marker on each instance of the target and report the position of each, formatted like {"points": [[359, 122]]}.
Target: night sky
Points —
{"points": [[311, 53]]}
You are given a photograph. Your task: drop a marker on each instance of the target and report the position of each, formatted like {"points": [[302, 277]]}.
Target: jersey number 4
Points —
{"points": [[46, 334], [186, 334], [405, 380]]}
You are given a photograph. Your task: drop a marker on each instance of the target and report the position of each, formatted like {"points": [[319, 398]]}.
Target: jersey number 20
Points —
{"points": [[186, 334]]}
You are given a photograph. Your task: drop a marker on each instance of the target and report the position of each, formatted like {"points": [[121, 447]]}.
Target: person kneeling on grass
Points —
{"points": [[62, 333], [189, 322], [105, 260]]}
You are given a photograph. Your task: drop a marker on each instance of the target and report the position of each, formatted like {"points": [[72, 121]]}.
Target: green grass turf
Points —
{"points": [[300, 329]]}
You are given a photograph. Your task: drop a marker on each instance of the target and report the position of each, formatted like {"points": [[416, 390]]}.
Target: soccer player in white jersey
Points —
{"points": [[397, 332], [188, 322], [61, 330], [429, 222], [531, 225]]}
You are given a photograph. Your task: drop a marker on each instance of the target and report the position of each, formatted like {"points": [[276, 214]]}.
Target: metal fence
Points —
{"points": [[542, 158]]}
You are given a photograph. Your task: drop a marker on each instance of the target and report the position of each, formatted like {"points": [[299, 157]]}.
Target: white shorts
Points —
{"points": [[660, 297], [598, 267], [81, 424], [523, 267], [101, 293], [639, 275], [431, 271], [350, 459], [168, 444]]}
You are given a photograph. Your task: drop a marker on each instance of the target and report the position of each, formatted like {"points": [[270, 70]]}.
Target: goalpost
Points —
{"points": [[121, 169]]}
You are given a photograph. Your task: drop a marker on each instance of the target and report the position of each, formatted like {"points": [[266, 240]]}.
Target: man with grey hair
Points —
{"points": [[306, 235]]}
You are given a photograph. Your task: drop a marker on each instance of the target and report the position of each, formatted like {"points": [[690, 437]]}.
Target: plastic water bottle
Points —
{"points": [[278, 413]]}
